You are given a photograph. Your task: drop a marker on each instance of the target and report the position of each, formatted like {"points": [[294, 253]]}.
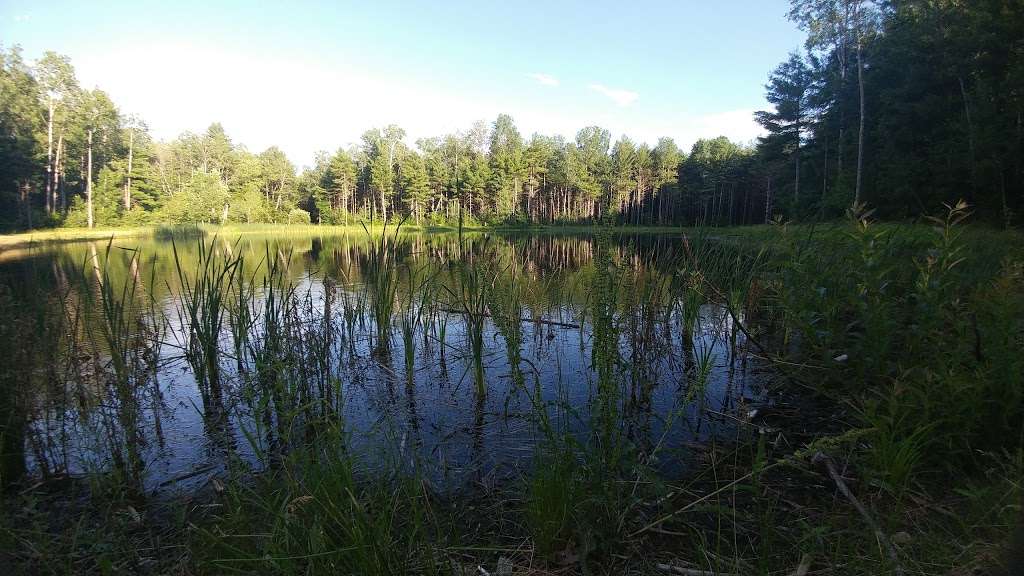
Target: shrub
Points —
{"points": [[298, 216]]}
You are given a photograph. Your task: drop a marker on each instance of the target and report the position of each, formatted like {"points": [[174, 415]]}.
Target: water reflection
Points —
{"points": [[451, 356]]}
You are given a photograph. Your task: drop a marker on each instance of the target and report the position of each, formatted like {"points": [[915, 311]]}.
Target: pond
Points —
{"points": [[172, 358]]}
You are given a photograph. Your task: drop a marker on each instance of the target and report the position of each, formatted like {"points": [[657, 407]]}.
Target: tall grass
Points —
{"points": [[382, 282], [202, 309], [469, 296], [314, 515], [904, 323], [904, 345], [130, 349]]}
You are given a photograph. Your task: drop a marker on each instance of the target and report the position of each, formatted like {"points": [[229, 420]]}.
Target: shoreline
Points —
{"points": [[48, 236]]}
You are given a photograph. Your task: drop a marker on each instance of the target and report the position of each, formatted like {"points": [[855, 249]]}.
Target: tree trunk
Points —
{"points": [[970, 140], [796, 184], [860, 130], [841, 50], [57, 186], [391, 180], [128, 179], [824, 182], [732, 195], [88, 183], [26, 204], [49, 160]]}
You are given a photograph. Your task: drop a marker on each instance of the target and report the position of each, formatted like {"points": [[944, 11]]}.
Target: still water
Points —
{"points": [[571, 327]]}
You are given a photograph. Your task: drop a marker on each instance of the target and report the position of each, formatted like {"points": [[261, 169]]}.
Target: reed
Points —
{"points": [[129, 349], [380, 269], [202, 309], [847, 318], [469, 296]]}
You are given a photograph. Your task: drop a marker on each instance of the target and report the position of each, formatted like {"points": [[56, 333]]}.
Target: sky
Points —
{"points": [[309, 76]]}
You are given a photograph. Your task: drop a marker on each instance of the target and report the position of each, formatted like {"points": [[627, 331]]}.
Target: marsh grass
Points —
{"points": [[416, 305], [382, 283], [506, 305], [551, 501], [849, 317], [202, 311], [469, 296], [130, 347], [313, 514]]}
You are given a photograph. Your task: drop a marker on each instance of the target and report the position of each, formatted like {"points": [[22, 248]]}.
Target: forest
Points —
{"points": [[901, 105]]}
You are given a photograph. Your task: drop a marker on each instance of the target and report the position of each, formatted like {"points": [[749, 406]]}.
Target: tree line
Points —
{"points": [[899, 104], [73, 159], [903, 105]]}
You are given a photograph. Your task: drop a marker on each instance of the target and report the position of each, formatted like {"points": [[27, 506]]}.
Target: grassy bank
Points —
{"points": [[892, 442], [58, 235]]}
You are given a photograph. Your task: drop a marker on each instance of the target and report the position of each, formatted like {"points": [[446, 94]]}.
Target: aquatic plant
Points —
{"points": [[202, 311]]}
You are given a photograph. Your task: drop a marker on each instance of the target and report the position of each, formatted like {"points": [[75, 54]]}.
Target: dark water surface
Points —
{"points": [[676, 374]]}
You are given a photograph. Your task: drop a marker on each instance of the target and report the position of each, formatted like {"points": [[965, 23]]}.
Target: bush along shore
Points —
{"points": [[888, 439]]}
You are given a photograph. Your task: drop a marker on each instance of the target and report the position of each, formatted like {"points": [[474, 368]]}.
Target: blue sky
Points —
{"points": [[314, 75]]}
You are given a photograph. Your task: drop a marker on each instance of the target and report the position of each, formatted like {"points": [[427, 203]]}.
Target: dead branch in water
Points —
{"points": [[535, 320]]}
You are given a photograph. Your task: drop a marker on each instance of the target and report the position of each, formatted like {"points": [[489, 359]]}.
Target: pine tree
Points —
{"points": [[415, 185], [789, 88]]}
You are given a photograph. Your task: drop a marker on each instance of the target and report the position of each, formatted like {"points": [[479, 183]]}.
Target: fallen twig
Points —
{"points": [[804, 566], [830, 465], [689, 571], [186, 476], [705, 497]]}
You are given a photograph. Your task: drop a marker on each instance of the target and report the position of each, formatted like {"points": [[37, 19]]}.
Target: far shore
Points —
{"points": [[61, 235]]}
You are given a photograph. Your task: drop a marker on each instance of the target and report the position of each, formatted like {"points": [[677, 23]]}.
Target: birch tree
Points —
{"points": [[59, 88]]}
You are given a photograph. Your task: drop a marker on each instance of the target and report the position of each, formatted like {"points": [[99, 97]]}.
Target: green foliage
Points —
{"points": [[624, 173], [107, 197], [552, 498], [277, 178], [20, 117], [710, 177], [588, 162], [337, 192], [789, 90], [298, 216], [873, 308], [506, 162], [383, 149], [854, 312], [315, 517], [415, 186], [891, 105], [203, 199]]}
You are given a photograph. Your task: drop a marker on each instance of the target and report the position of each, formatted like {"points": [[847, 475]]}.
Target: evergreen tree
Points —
{"points": [[506, 163], [415, 185], [789, 88], [623, 175]]}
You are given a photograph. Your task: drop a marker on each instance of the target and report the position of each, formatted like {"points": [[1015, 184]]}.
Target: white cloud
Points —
{"points": [[22, 17], [737, 125], [545, 79], [619, 96], [186, 86]]}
